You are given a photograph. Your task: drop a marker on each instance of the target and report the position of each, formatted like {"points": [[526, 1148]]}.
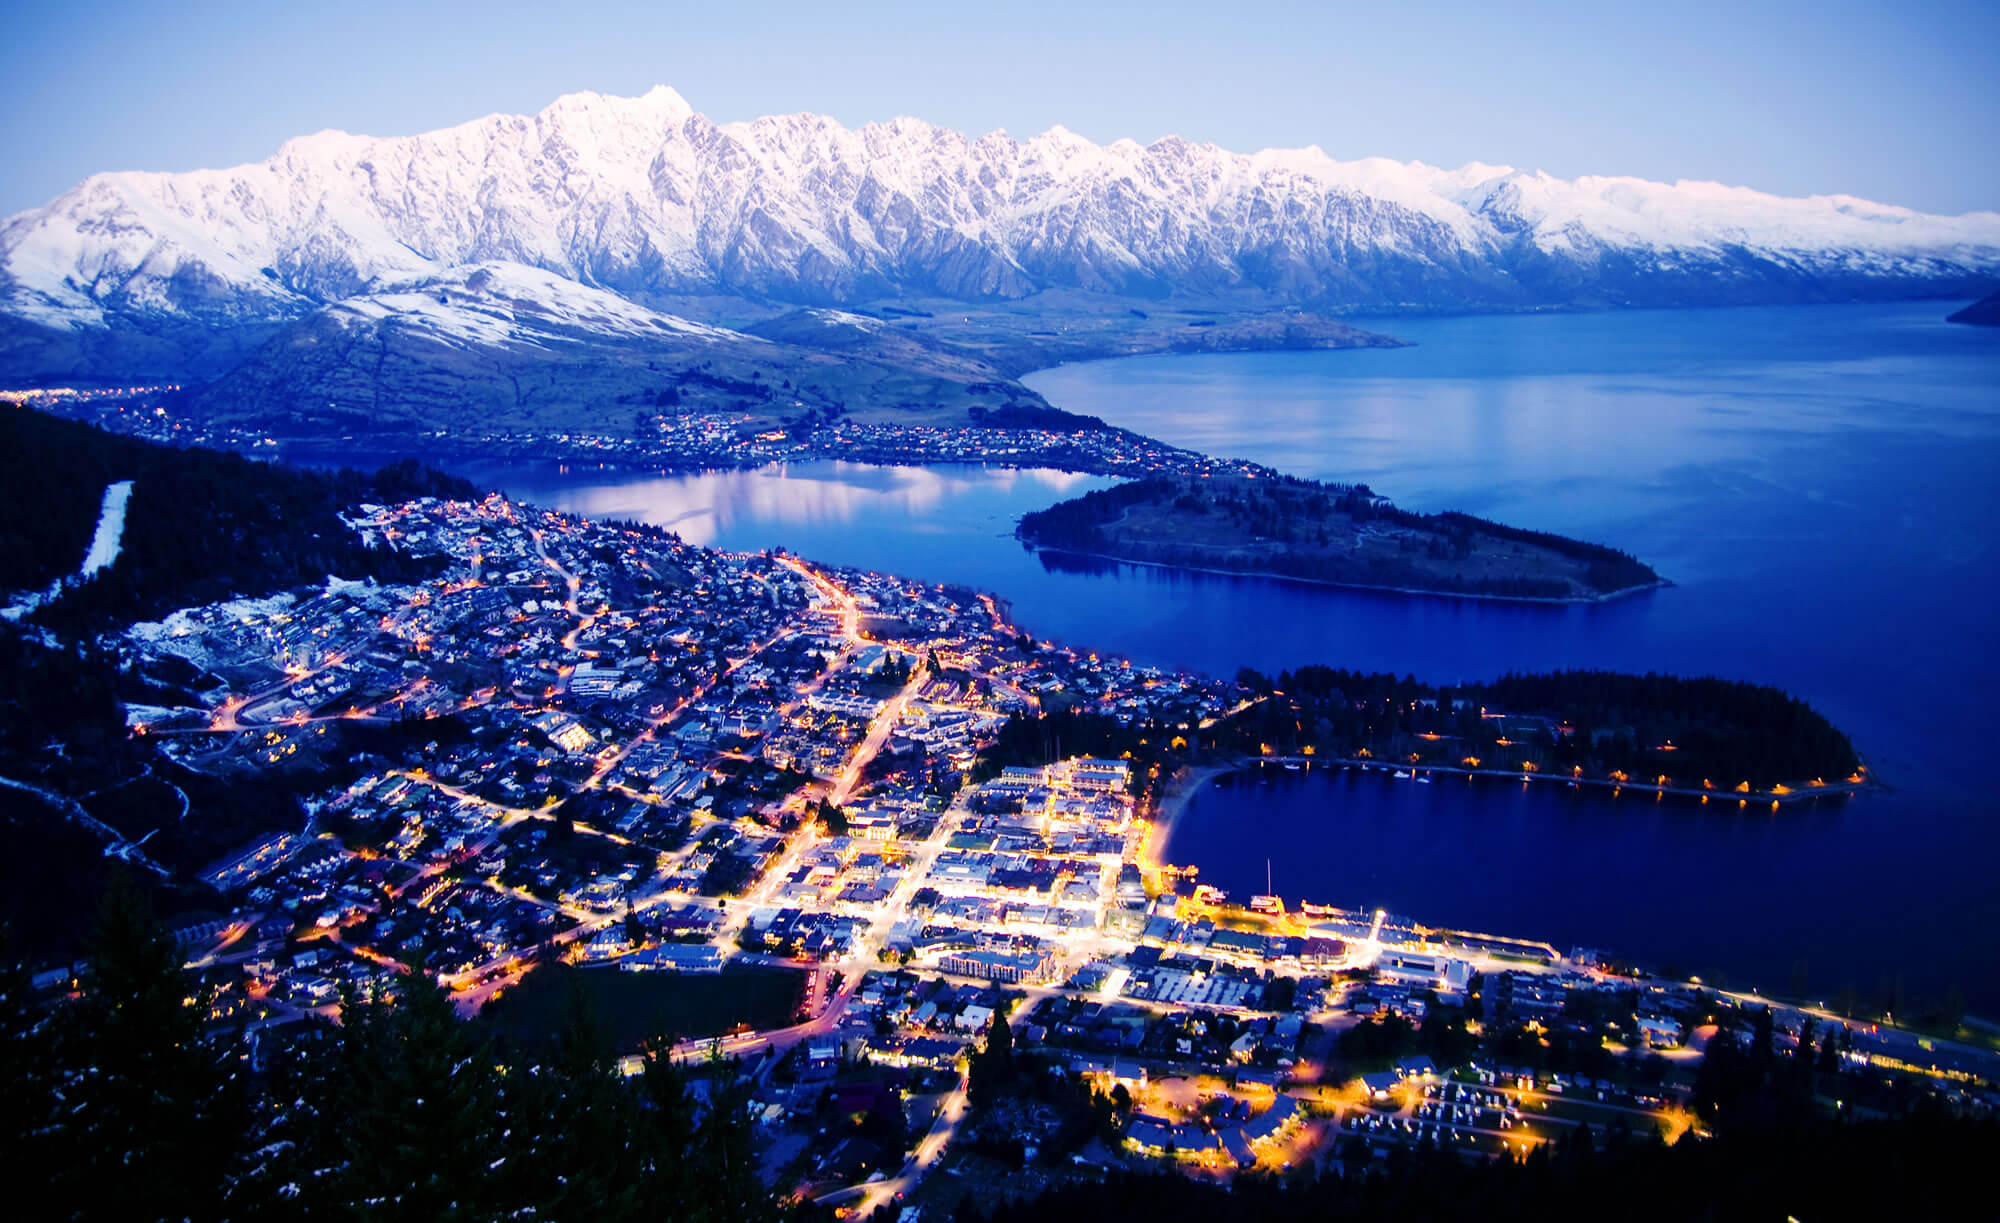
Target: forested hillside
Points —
{"points": [[202, 524]]}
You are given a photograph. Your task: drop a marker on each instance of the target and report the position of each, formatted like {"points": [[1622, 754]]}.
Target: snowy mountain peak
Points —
{"points": [[643, 199], [658, 105]]}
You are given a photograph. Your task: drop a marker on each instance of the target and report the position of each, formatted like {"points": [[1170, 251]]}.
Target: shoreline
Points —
{"points": [[1376, 341], [1545, 601], [1190, 780], [1173, 803], [333, 453], [1783, 796]]}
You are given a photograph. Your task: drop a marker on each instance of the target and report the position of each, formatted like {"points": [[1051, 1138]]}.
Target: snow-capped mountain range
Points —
{"points": [[647, 200]]}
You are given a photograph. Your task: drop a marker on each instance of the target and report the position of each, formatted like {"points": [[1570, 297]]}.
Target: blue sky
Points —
{"points": [[1894, 102]]}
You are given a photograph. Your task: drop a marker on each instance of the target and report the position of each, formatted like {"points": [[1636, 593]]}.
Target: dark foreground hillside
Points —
{"points": [[1822, 1172], [123, 1103]]}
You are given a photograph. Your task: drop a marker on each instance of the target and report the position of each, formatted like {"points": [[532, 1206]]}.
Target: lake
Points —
{"points": [[1819, 482]]}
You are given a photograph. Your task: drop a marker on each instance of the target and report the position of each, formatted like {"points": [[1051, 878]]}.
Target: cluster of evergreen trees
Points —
{"points": [[1016, 414], [201, 525], [1057, 735], [1003, 1082], [1750, 1085], [1726, 731], [122, 1105], [1074, 524]]}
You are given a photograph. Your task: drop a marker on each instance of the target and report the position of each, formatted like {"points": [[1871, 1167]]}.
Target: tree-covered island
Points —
{"points": [[1332, 533]]}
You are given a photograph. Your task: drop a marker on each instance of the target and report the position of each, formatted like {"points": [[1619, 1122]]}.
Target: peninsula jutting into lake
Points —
{"points": [[1337, 534]]}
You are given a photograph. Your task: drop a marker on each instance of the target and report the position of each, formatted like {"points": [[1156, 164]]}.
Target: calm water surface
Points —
{"points": [[1821, 482], [946, 523]]}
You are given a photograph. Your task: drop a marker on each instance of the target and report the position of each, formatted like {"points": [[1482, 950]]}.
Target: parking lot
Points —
{"points": [[1489, 1120]]}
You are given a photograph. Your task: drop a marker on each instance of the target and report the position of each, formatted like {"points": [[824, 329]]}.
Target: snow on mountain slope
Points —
{"points": [[485, 349], [508, 304], [646, 199]]}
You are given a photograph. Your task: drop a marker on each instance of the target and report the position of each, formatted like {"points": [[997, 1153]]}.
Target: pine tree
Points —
{"points": [[151, 1111], [399, 1113], [666, 1132], [30, 1104], [573, 1150], [726, 1186], [992, 1069]]}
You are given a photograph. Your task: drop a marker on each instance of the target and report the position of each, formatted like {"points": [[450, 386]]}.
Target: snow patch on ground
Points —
{"points": [[104, 546], [343, 586], [148, 715], [185, 633], [28, 600], [103, 552], [836, 318], [493, 303]]}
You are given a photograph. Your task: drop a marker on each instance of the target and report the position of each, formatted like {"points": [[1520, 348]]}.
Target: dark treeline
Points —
{"points": [[1037, 740], [201, 525], [1018, 415], [122, 1104], [1780, 1143], [1690, 730], [1073, 524], [66, 695], [1824, 1171], [1296, 513]]}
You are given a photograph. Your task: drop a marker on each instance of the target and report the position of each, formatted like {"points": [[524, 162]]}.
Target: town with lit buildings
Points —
{"points": [[685, 440], [596, 746]]}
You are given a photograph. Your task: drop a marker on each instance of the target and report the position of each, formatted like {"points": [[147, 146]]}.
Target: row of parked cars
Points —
{"points": [[1459, 1093], [1376, 1123]]}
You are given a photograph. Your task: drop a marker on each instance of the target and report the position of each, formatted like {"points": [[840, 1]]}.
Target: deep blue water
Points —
{"points": [[1821, 482]]}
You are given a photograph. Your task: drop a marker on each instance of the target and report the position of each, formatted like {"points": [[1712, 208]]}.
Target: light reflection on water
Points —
{"points": [[787, 504]]}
